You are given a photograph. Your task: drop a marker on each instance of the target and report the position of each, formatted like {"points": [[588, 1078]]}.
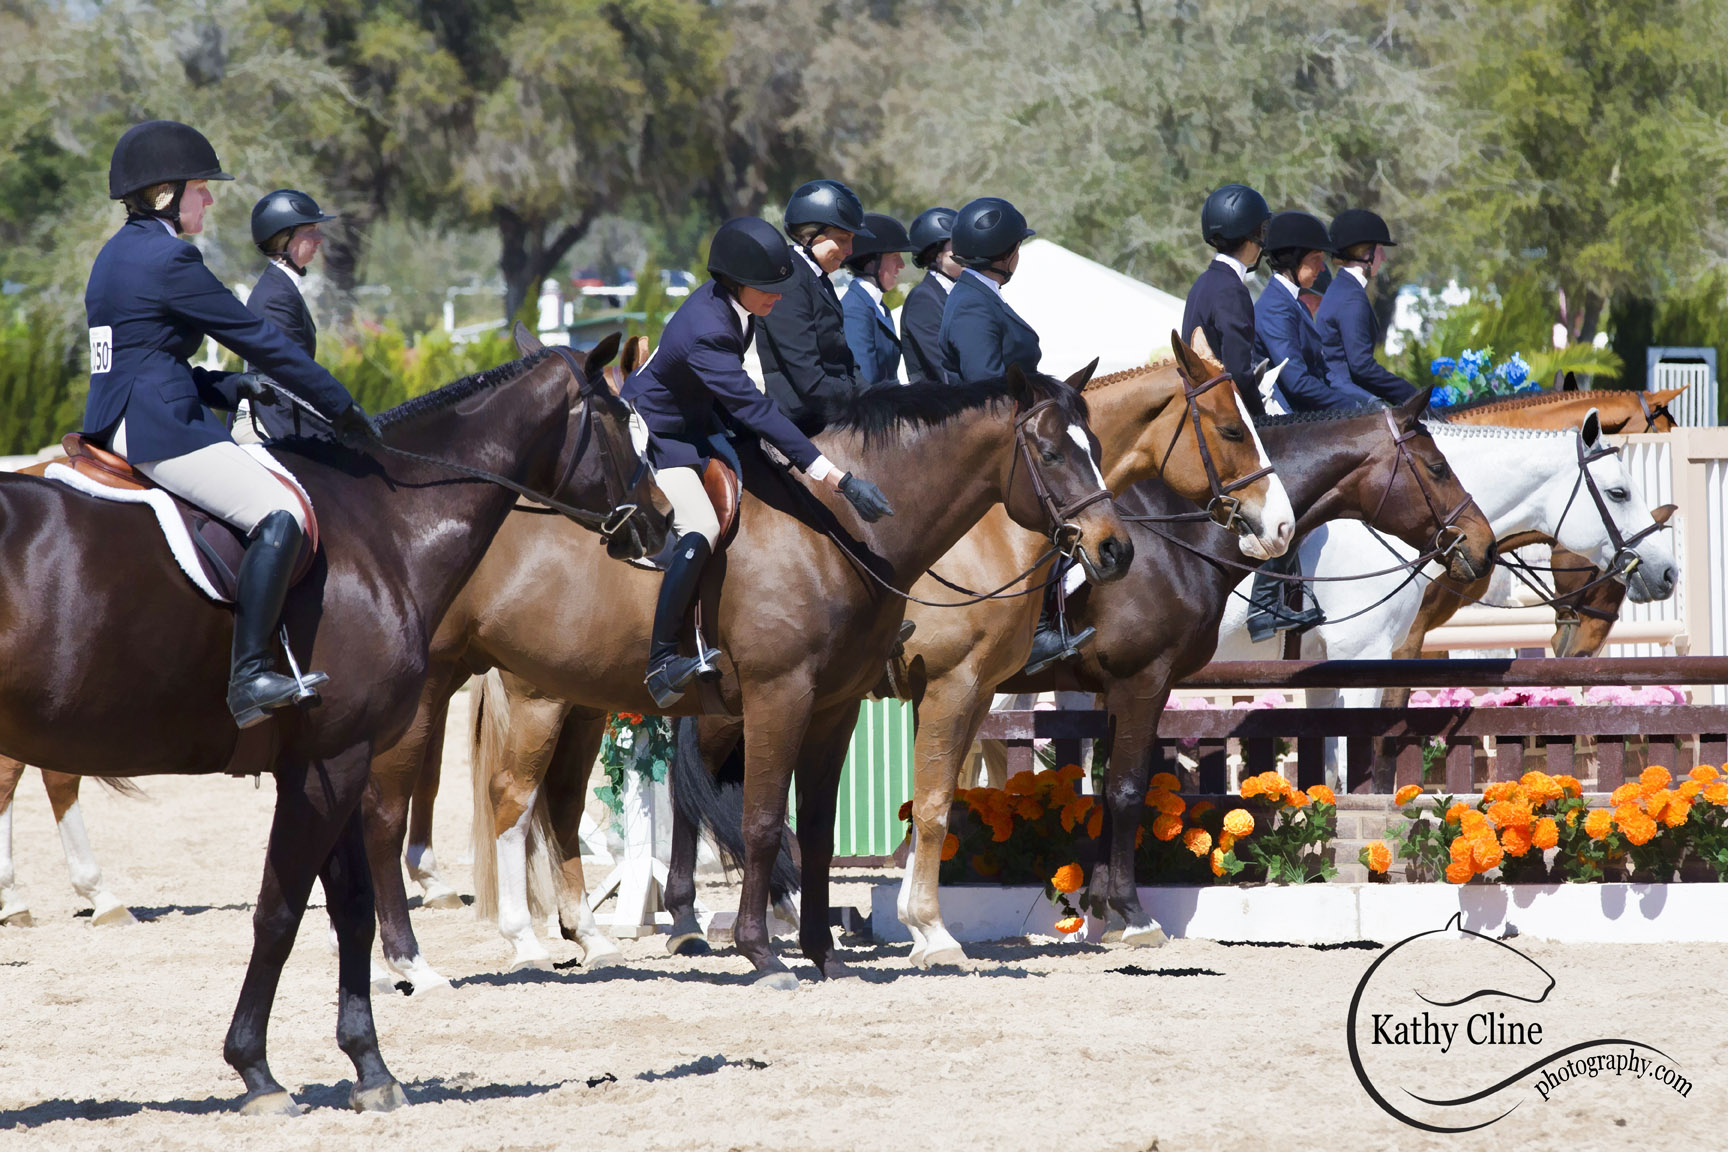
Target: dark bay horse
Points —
{"points": [[804, 625], [113, 663], [1161, 623]]}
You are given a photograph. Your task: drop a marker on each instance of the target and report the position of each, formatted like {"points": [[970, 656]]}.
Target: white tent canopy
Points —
{"points": [[1081, 309]]}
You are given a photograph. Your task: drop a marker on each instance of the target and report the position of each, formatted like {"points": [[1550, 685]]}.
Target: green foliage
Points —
{"points": [[384, 367], [1690, 316], [42, 384], [632, 743], [1518, 317], [1289, 845]]}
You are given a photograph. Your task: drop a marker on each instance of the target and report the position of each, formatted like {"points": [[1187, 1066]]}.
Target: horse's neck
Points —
{"points": [[1135, 420], [952, 473], [1512, 478], [1316, 463]]}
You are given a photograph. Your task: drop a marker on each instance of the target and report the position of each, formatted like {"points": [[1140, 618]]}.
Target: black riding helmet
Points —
{"points": [[750, 251], [283, 209], [1355, 226], [931, 230], [1290, 236], [986, 230], [160, 152], [1232, 214], [828, 203], [886, 235]]}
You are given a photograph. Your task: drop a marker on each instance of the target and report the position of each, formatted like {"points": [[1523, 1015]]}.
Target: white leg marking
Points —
{"points": [[515, 922], [86, 873]]}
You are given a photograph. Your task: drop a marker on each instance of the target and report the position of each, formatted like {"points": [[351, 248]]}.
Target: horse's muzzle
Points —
{"points": [[1115, 556]]}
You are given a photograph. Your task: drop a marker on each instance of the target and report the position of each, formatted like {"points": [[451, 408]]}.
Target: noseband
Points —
{"points": [[623, 510], [1064, 533], [1652, 414], [1626, 559], [1448, 536], [1223, 509]]}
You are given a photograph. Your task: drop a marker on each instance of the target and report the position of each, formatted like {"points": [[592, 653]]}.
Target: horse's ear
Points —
{"points": [[635, 354], [1662, 514], [1668, 395], [1411, 410], [1570, 384], [526, 341], [1079, 379], [1203, 347], [602, 353], [1591, 429], [1187, 362], [1017, 386]]}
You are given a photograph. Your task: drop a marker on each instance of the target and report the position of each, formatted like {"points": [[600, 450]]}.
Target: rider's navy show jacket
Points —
{"points": [[981, 335], [698, 365], [806, 361], [1349, 334], [1286, 332], [150, 303], [1220, 306], [921, 330], [871, 336]]}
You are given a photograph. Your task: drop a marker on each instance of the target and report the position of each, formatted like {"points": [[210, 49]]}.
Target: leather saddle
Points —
{"points": [[219, 546]]}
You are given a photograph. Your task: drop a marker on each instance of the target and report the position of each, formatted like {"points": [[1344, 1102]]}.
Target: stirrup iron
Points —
{"points": [[306, 685]]}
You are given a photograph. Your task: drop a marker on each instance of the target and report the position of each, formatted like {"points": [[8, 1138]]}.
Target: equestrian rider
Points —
{"points": [[285, 228], [150, 304], [1233, 221], [921, 315], [1349, 332], [805, 359], [875, 265], [1296, 245], [981, 336], [677, 396]]}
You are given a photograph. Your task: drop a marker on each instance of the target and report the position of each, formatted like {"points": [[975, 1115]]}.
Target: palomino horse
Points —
{"points": [[805, 614], [1161, 623], [1142, 418], [111, 661], [74, 840], [1558, 411]]}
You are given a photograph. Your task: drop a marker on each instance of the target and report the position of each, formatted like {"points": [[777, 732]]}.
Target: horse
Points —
{"points": [[1557, 411], [803, 603], [74, 840], [112, 662], [1160, 623], [1565, 485], [1141, 418]]}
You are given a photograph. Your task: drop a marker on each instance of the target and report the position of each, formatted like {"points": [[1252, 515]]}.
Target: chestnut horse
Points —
{"points": [[1559, 411], [804, 622], [1377, 465], [74, 840], [112, 662]]}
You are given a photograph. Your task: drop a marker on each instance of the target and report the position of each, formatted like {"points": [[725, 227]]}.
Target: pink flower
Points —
{"points": [[1420, 699]]}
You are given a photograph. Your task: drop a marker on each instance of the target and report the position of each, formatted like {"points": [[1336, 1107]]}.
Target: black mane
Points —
{"points": [[1326, 416], [459, 390], [881, 412]]}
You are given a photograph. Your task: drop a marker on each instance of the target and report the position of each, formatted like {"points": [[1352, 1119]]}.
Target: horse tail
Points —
{"points": [[122, 786], [716, 801], [486, 757]]}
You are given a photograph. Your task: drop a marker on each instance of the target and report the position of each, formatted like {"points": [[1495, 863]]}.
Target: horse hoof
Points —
{"points": [[531, 964], [442, 900], [1145, 936], [688, 944], [277, 1103], [387, 1097], [836, 970], [777, 982], [118, 914], [949, 957]]}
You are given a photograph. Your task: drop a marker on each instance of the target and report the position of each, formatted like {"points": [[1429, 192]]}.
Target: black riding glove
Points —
{"points": [[354, 428], [865, 497], [253, 386]]}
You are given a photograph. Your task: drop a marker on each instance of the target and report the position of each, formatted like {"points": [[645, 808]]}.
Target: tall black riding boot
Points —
{"points": [[1051, 643], [668, 672], [1269, 611], [254, 685]]}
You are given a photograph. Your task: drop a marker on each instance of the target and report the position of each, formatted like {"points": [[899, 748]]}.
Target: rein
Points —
{"points": [[1222, 509]]}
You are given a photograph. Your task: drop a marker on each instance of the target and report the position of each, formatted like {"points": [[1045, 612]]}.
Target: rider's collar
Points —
{"points": [[1359, 272], [810, 260], [296, 273], [985, 280], [1234, 265]]}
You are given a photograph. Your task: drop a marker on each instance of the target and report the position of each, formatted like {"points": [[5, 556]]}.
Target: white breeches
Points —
{"points": [[692, 511], [224, 480]]}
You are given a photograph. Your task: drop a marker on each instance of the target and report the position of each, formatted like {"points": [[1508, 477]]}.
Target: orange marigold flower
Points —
{"points": [[1021, 784], [1068, 878], [1657, 802], [906, 810], [1074, 811], [1197, 841], [1166, 826], [1598, 823], [1226, 840], [1095, 821], [1139, 836], [950, 845], [1485, 853], [1515, 841], [1626, 813], [1001, 829], [985, 864], [1653, 778], [1572, 818], [1461, 850], [1070, 773], [1570, 785], [1456, 812], [1717, 793], [1200, 809], [1070, 924], [1638, 829], [1406, 794], [1379, 856], [1167, 781], [1690, 789], [1677, 811], [1498, 790], [1703, 774], [1546, 834], [1169, 803], [1626, 793], [1459, 873], [1238, 822], [1250, 788], [1297, 799], [1028, 808], [1541, 787], [1218, 861], [1321, 794], [1473, 822]]}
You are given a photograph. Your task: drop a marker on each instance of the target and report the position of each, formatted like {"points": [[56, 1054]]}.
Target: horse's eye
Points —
{"points": [[1439, 471], [1051, 457], [1618, 494], [1232, 432]]}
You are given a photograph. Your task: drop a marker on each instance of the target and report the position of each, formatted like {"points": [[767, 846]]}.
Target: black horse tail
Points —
{"points": [[716, 801]]}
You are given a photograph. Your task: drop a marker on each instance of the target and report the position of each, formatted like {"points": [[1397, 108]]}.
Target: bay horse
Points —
{"points": [[1148, 421], [112, 662], [805, 623], [1161, 623]]}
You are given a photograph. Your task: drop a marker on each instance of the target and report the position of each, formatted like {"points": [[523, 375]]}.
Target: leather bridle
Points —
{"points": [[1223, 509], [1448, 536], [1065, 534], [623, 510], [1626, 559], [1652, 413]]}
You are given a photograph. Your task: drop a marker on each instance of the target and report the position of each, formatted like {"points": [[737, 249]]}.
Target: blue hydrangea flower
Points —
{"points": [[1473, 364], [1514, 372], [1443, 367], [1445, 396]]}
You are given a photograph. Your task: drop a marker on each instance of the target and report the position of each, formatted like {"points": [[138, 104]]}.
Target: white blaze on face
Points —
{"points": [[1277, 518], [1079, 438]]}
